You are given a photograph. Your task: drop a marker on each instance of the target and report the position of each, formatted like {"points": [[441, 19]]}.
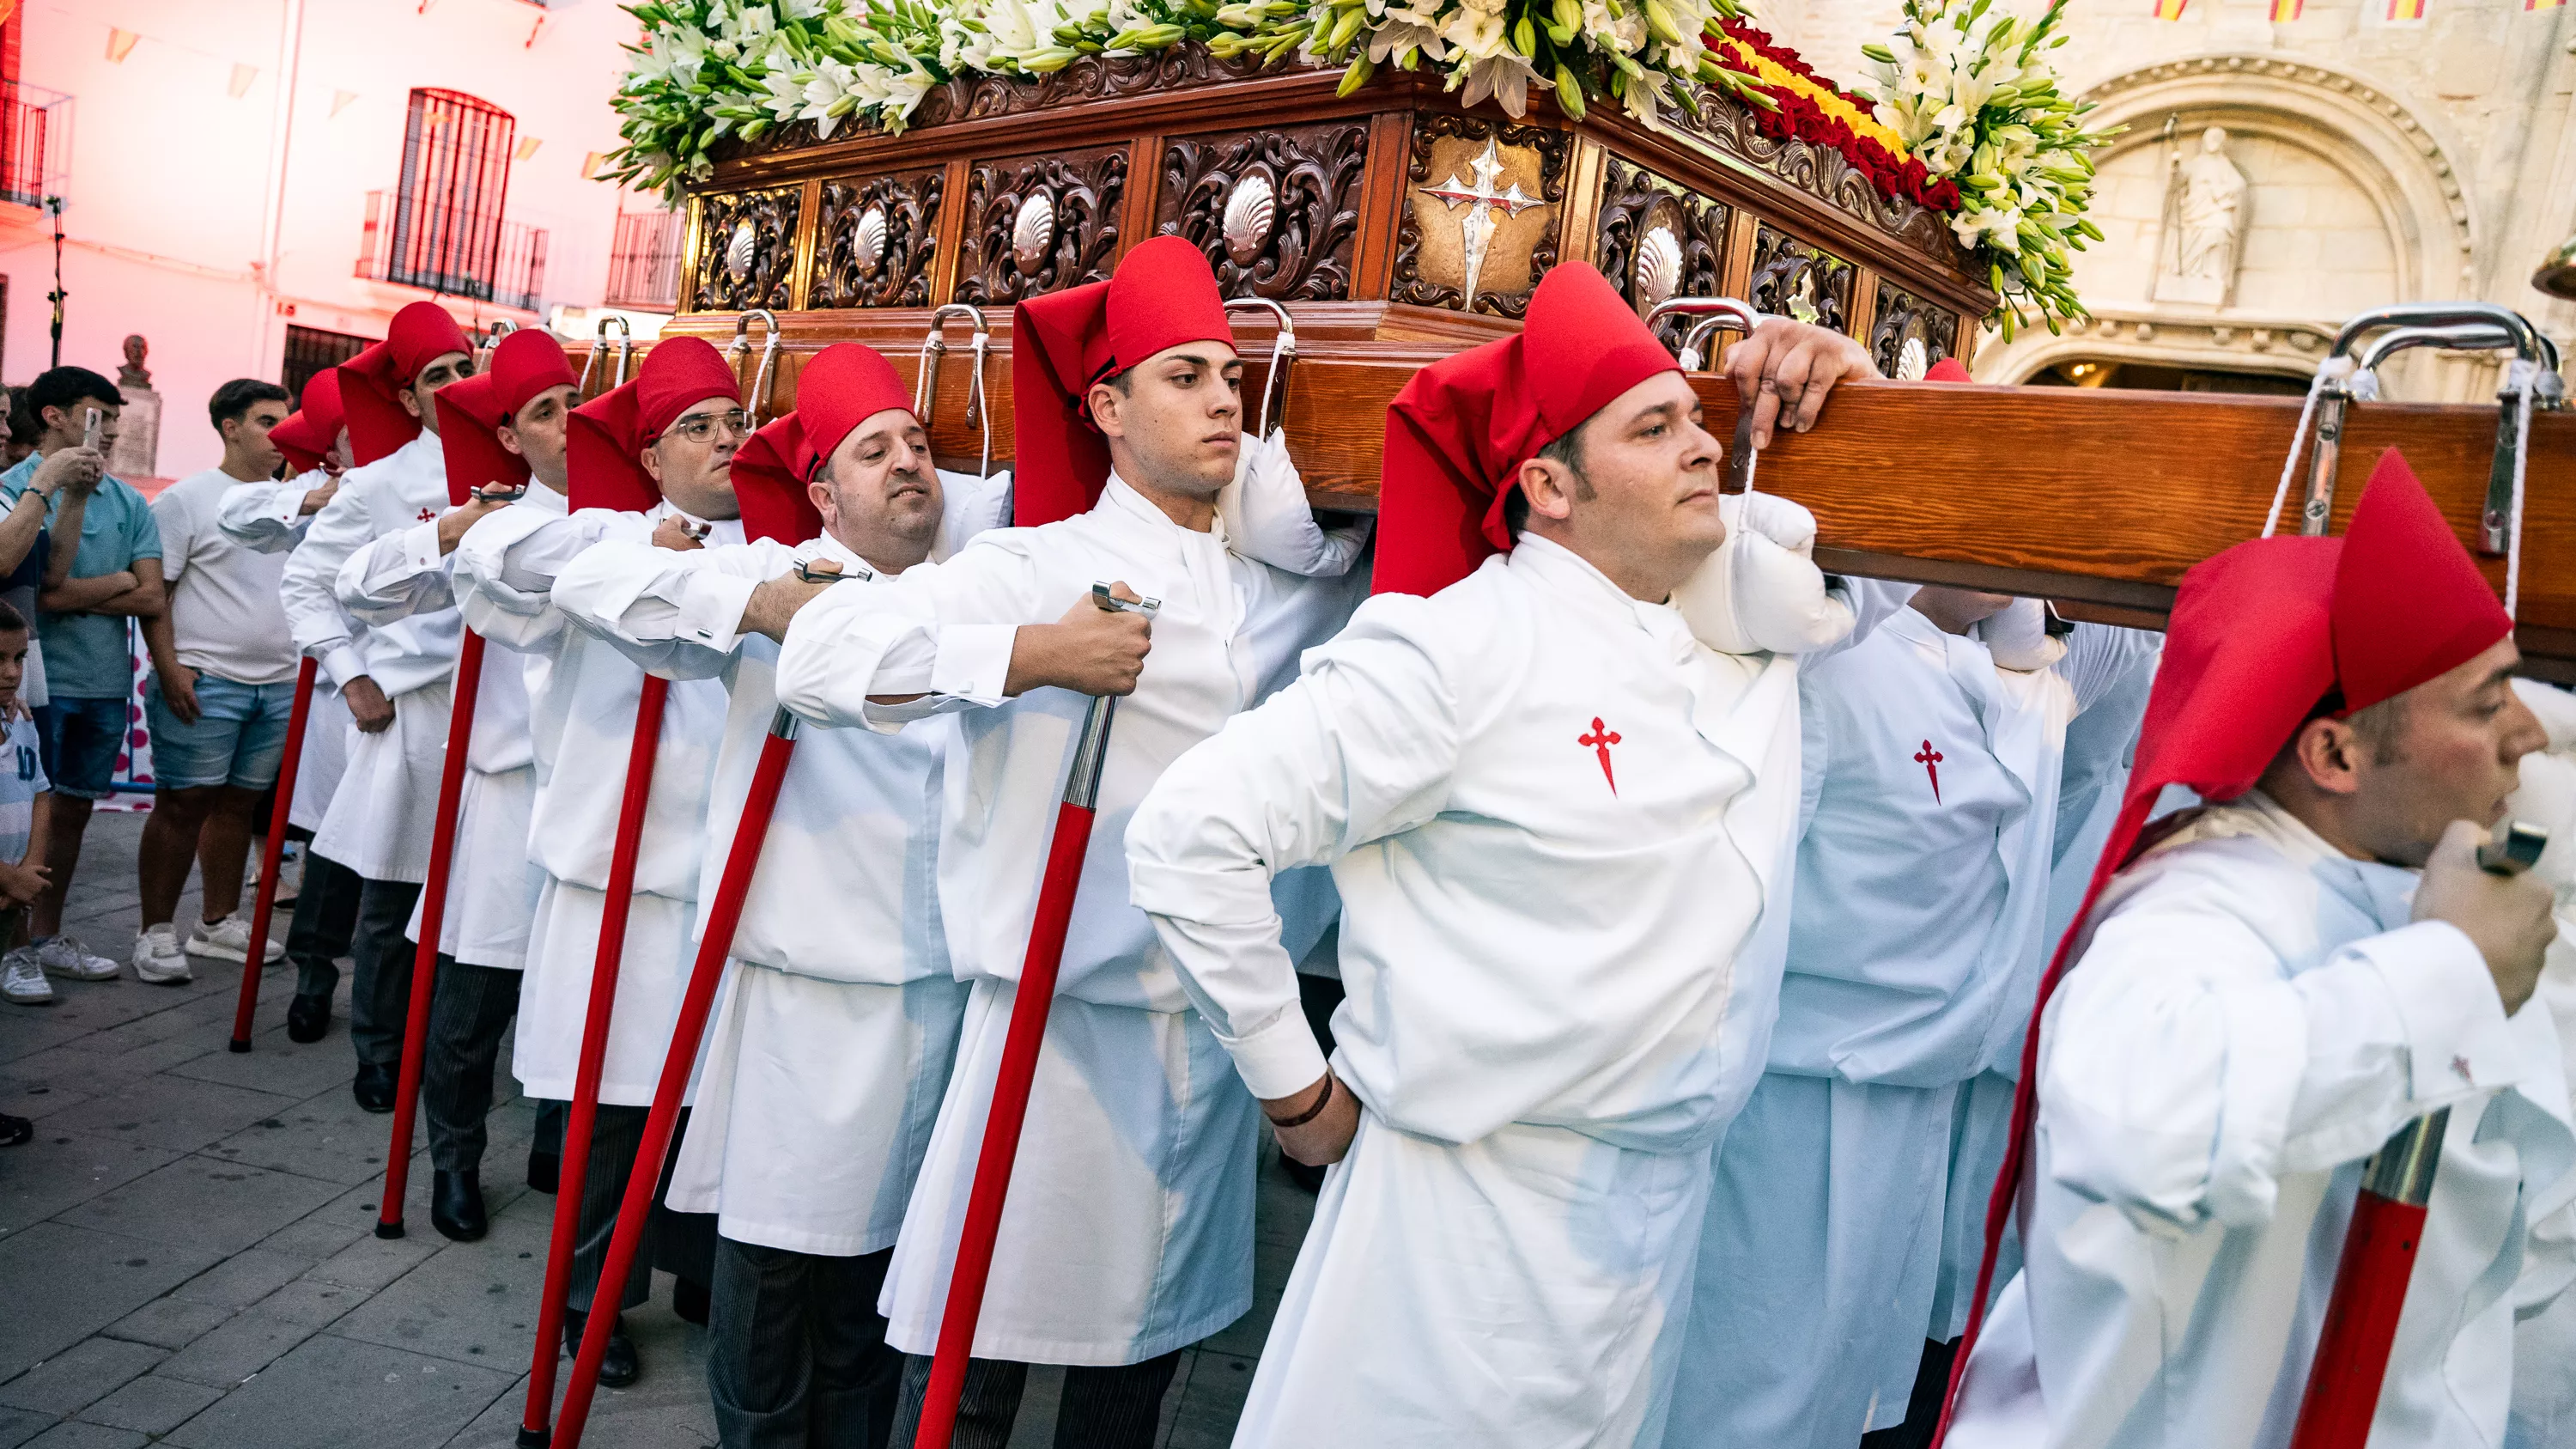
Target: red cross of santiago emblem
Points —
{"points": [[1599, 742], [426, 515], [1930, 759]]}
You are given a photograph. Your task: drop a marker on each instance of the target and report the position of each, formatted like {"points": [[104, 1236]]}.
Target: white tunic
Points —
{"points": [[583, 721], [492, 889], [2544, 1375], [2252, 1015], [1915, 949], [1129, 1228], [1560, 826], [379, 824], [270, 518], [831, 1045]]}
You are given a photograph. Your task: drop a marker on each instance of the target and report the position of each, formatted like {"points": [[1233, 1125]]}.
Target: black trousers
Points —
{"points": [[469, 1010], [326, 915], [380, 987], [681, 1244], [797, 1357], [1102, 1408], [1923, 1407]]}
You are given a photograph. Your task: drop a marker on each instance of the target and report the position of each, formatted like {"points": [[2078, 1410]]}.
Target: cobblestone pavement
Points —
{"points": [[187, 1254]]}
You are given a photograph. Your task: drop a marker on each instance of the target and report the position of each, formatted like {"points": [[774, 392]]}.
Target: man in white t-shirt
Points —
{"points": [[222, 692]]}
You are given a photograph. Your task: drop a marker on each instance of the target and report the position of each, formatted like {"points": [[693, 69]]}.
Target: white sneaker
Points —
{"points": [[229, 940], [23, 981], [157, 958], [65, 956]]}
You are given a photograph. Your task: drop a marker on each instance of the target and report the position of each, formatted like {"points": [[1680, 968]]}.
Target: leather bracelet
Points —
{"points": [[1311, 1113]]}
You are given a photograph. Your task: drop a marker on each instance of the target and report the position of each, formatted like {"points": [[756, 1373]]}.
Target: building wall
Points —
{"points": [[169, 187]]}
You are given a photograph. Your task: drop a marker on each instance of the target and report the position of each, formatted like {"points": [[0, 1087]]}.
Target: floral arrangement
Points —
{"points": [[709, 69], [1807, 107], [1966, 90]]}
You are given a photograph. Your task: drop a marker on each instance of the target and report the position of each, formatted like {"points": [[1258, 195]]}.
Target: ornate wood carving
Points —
{"points": [[1035, 224], [746, 250], [1656, 240], [1820, 171], [1788, 272], [1089, 78], [1903, 318], [1554, 147], [1276, 212], [879, 238]]}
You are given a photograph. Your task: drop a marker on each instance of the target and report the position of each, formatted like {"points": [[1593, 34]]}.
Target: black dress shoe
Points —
{"points": [[617, 1367], [456, 1206], [690, 1301], [544, 1170], [308, 1018], [374, 1087]]}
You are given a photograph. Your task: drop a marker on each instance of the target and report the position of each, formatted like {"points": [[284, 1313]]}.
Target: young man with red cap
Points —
{"points": [[1129, 1231], [2267, 987], [395, 678], [831, 1048], [1559, 799], [500, 431], [650, 461], [272, 517]]}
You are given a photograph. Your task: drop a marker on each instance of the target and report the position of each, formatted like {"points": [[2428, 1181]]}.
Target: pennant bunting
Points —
{"points": [[526, 148], [120, 44], [244, 77], [2170, 9], [2285, 11], [2531, 5], [2405, 10], [340, 101]]}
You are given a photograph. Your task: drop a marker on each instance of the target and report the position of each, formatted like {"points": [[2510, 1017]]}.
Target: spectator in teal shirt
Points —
{"points": [[90, 590]]}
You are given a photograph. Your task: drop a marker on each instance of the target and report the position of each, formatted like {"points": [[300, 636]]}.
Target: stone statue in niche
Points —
{"points": [[137, 450], [2204, 223]]}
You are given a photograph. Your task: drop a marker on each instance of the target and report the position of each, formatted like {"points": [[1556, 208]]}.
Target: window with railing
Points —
{"points": [[310, 350], [35, 136], [442, 228], [644, 262]]}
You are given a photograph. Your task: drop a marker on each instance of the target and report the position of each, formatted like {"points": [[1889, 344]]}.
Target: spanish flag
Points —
{"points": [[2170, 9], [2285, 11], [2405, 9]]}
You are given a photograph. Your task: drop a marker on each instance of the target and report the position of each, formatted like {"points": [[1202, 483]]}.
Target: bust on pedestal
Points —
{"points": [[137, 452]]}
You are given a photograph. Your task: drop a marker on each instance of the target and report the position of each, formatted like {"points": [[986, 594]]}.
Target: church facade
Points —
{"points": [[2277, 178]]}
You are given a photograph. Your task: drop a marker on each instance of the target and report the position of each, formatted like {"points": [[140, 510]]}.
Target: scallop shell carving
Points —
{"points": [[1033, 233], [1913, 360], [1251, 214], [739, 249], [1659, 267], [868, 241]]}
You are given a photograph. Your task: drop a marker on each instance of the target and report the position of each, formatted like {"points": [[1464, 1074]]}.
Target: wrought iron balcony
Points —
{"points": [[452, 252], [35, 143], [644, 262]]}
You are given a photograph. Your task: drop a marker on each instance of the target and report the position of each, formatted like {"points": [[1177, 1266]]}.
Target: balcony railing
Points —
{"points": [[506, 265], [35, 143], [644, 262]]}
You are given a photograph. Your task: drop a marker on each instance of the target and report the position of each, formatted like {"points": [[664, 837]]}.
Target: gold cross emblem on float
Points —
{"points": [[1476, 229]]}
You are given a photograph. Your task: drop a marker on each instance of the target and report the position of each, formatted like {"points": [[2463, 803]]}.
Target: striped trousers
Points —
{"points": [[1102, 1408], [681, 1244], [469, 1011], [796, 1354]]}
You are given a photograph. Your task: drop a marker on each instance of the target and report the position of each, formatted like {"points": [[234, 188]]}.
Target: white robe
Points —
{"points": [[1915, 949], [492, 889], [831, 1044], [582, 720], [1561, 829], [2544, 1375], [378, 823], [2252, 1015], [1129, 1228], [270, 518]]}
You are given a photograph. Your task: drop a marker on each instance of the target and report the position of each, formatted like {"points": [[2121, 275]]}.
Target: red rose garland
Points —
{"points": [[1799, 118]]}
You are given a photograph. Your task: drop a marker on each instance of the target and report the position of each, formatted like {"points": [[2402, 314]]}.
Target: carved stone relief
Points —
{"points": [[1276, 212], [746, 250], [1037, 224], [1656, 240], [1909, 334], [1793, 279], [878, 238], [1480, 225]]}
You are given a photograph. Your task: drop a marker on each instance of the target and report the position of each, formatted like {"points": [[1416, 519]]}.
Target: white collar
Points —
{"points": [[1119, 497], [1562, 571]]}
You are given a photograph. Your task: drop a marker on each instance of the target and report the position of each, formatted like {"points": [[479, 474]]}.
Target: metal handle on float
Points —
{"points": [[1724, 312], [500, 327], [740, 347], [1283, 355], [925, 374], [599, 344]]}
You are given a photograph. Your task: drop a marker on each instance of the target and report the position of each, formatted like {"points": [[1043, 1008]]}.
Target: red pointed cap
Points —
{"points": [[1162, 295], [1458, 433], [305, 436], [1947, 370], [525, 364], [2409, 603], [846, 384], [420, 334], [610, 432]]}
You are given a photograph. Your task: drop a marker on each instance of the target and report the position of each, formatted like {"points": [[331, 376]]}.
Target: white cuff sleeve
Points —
{"points": [[2457, 1042], [973, 662], [710, 608], [341, 663], [1280, 1059]]}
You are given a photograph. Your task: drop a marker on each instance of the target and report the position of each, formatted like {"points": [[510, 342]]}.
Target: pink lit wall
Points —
{"points": [[171, 178]]}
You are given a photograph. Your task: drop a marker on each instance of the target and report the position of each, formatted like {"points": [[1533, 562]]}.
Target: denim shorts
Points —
{"points": [[80, 740], [238, 739]]}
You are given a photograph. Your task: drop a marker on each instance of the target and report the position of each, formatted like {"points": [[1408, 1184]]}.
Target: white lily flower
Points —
{"points": [[1392, 37], [1505, 77]]}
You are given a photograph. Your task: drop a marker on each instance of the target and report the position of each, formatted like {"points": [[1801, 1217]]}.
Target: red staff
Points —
{"points": [[310, 439]]}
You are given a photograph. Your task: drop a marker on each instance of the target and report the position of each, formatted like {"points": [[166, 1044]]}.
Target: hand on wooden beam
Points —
{"points": [[1788, 368]]}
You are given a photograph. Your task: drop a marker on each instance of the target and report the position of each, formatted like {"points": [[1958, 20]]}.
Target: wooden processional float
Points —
{"points": [[1395, 227]]}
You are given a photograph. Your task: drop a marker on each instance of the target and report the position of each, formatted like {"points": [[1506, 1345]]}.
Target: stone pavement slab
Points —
{"points": [[80, 1376], [246, 1343], [328, 1137], [79, 1282], [173, 1112], [151, 1405], [86, 1436], [216, 1207], [168, 1322], [17, 1426], [333, 1392], [61, 1170], [244, 1278]]}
